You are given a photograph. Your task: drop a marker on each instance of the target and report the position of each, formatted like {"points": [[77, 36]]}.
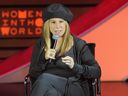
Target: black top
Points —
{"points": [[57, 67]]}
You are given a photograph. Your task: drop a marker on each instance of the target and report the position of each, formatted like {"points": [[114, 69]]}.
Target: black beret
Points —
{"points": [[57, 11]]}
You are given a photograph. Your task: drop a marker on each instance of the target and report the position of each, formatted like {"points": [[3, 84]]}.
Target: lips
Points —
{"points": [[57, 30]]}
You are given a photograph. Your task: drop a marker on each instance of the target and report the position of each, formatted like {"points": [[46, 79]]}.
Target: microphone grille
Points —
{"points": [[55, 37]]}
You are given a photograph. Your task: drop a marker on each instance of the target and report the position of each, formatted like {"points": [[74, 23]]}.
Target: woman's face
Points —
{"points": [[57, 26]]}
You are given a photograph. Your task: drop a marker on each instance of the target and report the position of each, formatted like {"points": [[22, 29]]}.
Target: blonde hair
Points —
{"points": [[67, 39]]}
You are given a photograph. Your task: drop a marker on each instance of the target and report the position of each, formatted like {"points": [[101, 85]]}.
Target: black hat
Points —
{"points": [[57, 11]]}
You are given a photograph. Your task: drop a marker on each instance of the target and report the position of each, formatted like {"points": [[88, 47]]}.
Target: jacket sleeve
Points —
{"points": [[35, 68], [89, 67]]}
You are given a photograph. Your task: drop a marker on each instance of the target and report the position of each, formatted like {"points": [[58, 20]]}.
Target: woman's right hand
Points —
{"points": [[50, 54]]}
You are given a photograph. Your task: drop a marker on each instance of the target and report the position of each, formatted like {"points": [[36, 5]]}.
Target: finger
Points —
{"points": [[66, 61], [52, 50], [68, 64], [65, 58], [52, 53], [52, 57]]}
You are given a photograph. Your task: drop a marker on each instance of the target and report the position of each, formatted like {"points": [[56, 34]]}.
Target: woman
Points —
{"points": [[59, 59]]}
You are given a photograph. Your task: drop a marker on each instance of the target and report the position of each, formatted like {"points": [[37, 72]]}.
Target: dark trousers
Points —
{"points": [[53, 85]]}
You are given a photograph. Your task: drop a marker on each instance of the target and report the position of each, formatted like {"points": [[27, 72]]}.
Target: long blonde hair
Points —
{"points": [[67, 38]]}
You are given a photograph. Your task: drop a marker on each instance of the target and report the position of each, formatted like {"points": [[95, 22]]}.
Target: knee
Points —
{"points": [[53, 92]]}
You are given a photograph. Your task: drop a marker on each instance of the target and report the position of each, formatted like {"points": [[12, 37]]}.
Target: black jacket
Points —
{"points": [[85, 64]]}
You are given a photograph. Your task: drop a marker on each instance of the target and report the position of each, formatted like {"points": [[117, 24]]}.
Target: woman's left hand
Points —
{"points": [[69, 61]]}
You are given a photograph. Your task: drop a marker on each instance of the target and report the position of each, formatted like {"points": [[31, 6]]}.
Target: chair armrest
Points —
{"points": [[27, 85], [26, 79], [96, 84], [98, 87]]}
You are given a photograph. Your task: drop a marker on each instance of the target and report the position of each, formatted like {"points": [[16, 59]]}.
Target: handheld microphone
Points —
{"points": [[54, 37]]}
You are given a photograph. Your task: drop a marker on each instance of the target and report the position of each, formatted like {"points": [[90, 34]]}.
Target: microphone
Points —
{"points": [[54, 37]]}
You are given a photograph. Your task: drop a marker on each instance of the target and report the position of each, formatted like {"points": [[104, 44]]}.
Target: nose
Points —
{"points": [[57, 25]]}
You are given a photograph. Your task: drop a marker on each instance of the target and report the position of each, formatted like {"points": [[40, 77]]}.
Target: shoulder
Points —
{"points": [[39, 42], [79, 41]]}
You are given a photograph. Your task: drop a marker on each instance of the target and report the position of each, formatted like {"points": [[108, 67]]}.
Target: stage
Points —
{"points": [[107, 89]]}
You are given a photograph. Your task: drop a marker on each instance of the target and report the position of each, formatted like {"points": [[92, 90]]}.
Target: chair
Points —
{"points": [[94, 83]]}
